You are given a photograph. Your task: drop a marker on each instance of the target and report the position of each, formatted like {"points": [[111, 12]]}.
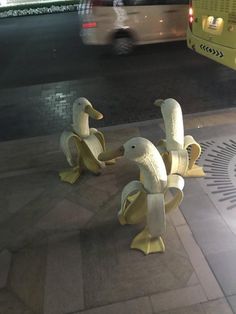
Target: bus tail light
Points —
{"points": [[190, 16]]}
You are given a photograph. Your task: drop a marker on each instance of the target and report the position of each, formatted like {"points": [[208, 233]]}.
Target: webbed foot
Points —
{"points": [[70, 175], [147, 244], [110, 162]]}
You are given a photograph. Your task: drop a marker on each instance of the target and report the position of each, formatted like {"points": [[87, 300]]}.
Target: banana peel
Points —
{"points": [[86, 155], [137, 206], [179, 152]]}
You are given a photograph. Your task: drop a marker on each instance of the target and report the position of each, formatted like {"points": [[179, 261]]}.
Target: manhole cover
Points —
{"points": [[219, 162]]}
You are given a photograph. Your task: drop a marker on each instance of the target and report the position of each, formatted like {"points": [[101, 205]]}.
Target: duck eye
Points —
{"points": [[133, 146]]}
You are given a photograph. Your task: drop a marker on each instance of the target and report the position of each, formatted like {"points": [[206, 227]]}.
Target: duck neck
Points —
{"points": [[153, 174], [81, 125]]}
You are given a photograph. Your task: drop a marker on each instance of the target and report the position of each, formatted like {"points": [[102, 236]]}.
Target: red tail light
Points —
{"points": [[89, 25], [190, 16]]}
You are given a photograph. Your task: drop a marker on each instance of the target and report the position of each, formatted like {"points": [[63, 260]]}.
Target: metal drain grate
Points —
{"points": [[219, 162]]}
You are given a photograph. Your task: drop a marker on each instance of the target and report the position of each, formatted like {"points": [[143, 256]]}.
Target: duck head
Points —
{"points": [[82, 110], [147, 157]]}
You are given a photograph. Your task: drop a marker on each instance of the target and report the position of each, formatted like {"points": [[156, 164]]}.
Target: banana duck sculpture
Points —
{"points": [[179, 152], [89, 143], [146, 201]]}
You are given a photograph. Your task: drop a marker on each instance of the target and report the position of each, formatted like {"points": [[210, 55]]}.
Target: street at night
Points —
{"points": [[45, 67]]}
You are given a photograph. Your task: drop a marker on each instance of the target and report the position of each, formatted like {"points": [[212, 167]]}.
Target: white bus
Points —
{"points": [[124, 23]]}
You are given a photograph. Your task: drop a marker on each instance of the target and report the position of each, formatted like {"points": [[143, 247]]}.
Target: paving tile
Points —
{"points": [[119, 134], [10, 304], [205, 276], [193, 309], [5, 262], [65, 216], [152, 131], [213, 235], [179, 298], [212, 119], [17, 192], [198, 207], [105, 182], [121, 274], [4, 213], [125, 172], [89, 198], [136, 306], [19, 200], [27, 275], [223, 266], [31, 153], [177, 217], [219, 306], [193, 280], [193, 187], [64, 281], [192, 122], [106, 214], [209, 119], [19, 231], [205, 133], [232, 302]]}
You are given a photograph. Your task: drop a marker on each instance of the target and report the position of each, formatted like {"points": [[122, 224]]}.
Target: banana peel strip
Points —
{"points": [[156, 218], [176, 161], [195, 149], [95, 147], [132, 201], [99, 136], [175, 182], [65, 139], [179, 161]]}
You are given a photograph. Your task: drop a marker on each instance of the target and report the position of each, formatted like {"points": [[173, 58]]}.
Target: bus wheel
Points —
{"points": [[123, 45]]}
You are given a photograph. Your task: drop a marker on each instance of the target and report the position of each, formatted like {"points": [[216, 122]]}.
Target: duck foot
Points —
{"points": [[147, 244], [195, 171], [70, 175], [110, 162]]}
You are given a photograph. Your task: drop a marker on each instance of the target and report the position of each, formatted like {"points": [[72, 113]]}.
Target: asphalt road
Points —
{"points": [[39, 50]]}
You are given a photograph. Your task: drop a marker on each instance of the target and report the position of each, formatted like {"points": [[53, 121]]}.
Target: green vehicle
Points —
{"points": [[212, 30]]}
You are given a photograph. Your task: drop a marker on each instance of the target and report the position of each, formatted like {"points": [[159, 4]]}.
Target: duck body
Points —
{"points": [[87, 142], [179, 152], [145, 201]]}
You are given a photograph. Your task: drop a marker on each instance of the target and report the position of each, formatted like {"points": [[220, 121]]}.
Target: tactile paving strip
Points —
{"points": [[219, 162]]}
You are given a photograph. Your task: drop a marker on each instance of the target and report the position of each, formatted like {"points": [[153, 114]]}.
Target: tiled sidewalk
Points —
{"points": [[63, 251]]}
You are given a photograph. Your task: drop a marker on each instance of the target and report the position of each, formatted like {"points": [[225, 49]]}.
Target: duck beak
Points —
{"points": [[112, 154], [94, 114], [158, 102]]}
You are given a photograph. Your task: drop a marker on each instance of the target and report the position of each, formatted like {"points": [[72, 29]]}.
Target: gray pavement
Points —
{"points": [[63, 250]]}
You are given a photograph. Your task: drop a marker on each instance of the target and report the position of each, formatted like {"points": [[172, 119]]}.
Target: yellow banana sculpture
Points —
{"points": [[146, 200], [89, 143], [174, 149]]}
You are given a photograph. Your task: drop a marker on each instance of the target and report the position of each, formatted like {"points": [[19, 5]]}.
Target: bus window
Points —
{"points": [[212, 30]]}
